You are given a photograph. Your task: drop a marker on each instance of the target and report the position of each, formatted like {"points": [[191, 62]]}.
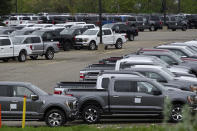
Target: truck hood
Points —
{"points": [[186, 78], [179, 69]]}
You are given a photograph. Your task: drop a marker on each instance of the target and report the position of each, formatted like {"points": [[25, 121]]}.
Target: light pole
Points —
{"points": [[100, 20], [16, 4], [164, 10]]}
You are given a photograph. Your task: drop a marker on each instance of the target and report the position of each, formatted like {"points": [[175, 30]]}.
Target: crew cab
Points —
{"points": [[91, 39], [39, 48], [54, 110], [9, 49], [123, 28], [129, 95]]}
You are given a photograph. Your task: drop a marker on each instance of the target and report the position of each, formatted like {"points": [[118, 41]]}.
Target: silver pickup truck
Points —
{"points": [[39, 48]]}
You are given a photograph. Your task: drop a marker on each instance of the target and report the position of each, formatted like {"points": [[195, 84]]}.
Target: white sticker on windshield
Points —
{"points": [[137, 100], [13, 106]]}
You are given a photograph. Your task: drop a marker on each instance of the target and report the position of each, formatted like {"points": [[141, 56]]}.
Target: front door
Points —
{"points": [[108, 37], [6, 49]]}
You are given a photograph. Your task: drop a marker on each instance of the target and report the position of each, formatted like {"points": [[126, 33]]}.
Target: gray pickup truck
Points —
{"points": [[55, 110], [39, 48], [128, 95]]}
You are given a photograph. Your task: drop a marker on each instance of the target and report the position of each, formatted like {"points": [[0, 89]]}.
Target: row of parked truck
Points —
{"points": [[135, 84], [46, 39]]}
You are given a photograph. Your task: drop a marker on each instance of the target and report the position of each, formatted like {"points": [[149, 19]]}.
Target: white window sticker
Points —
{"points": [[137, 100], [13, 106]]}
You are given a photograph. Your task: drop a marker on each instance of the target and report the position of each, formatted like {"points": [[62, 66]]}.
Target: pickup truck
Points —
{"points": [[39, 48], [53, 109], [8, 49], [129, 95], [91, 39]]}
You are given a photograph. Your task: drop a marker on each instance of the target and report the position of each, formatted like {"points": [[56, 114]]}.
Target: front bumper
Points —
{"points": [[80, 44]]}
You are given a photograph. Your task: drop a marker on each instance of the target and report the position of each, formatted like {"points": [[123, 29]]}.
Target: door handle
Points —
{"points": [[15, 101], [115, 96]]}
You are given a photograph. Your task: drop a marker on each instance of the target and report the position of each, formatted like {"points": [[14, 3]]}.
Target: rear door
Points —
{"points": [[6, 48], [122, 96]]}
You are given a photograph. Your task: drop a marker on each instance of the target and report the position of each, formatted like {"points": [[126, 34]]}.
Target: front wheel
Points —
{"points": [[91, 114], [49, 54], [22, 57], [55, 118], [92, 46], [184, 28], [176, 113], [118, 44]]}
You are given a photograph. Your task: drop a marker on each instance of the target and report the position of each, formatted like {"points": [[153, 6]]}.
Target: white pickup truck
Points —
{"points": [[91, 39], [9, 50]]}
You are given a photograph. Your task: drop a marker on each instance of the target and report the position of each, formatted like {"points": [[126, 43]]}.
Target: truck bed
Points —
{"points": [[81, 85]]}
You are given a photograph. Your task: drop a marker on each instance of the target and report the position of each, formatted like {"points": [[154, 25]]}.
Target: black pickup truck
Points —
{"points": [[123, 28], [128, 95]]}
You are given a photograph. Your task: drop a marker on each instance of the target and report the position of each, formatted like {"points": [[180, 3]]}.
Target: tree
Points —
{"points": [[5, 7]]}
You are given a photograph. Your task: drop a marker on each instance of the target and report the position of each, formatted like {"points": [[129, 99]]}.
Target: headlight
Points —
{"points": [[193, 88], [191, 99], [85, 40]]}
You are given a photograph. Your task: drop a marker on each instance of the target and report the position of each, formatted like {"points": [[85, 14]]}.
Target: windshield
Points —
{"points": [[3, 32], [168, 72], [17, 40], [160, 62], [108, 25], [192, 49], [192, 52], [18, 32], [176, 57], [90, 32], [41, 92], [67, 31], [38, 33]]}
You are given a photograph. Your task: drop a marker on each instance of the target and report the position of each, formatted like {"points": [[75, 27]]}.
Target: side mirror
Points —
{"points": [[156, 92], [34, 97]]}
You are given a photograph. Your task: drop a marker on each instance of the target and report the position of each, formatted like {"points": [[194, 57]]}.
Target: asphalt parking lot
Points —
{"points": [[66, 65]]}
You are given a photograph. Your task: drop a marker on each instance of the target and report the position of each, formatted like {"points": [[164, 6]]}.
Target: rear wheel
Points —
{"points": [[22, 56], [152, 28], [66, 46], [49, 54], [176, 113], [55, 117], [91, 114], [35, 57], [131, 37], [184, 28], [118, 44]]}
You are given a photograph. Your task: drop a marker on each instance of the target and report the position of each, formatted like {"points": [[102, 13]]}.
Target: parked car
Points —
{"points": [[6, 31], [192, 21], [8, 50], [91, 39], [123, 28], [54, 110], [129, 95], [39, 48], [153, 22]]}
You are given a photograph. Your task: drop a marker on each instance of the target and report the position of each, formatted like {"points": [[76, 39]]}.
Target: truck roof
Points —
{"points": [[172, 46], [135, 74], [13, 83], [27, 36], [138, 58]]}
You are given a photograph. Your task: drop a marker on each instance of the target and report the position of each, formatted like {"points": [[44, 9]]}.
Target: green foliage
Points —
{"points": [[5, 6]]}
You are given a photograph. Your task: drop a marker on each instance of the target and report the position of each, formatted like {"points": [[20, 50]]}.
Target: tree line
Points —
{"points": [[91, 6]]}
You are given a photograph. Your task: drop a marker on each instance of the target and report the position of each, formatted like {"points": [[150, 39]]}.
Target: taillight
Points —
{"points": [[31, 47], [161, 23], [57, 92], [53, 22], [69, 94], [74, 38], [58, 45], [82, 75], [21, 22], [7, 23]]}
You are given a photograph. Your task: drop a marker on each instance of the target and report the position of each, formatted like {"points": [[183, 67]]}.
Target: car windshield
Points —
{"points": [[76, 27], [168, 72], [90, 32], [17, 40], [160, 62], [67, 31], [18, 32], [178, 58], [41, 92], [108, 25], [191, 50], [38, 33]]}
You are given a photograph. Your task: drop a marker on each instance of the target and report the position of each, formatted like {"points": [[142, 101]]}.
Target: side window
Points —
{"points": [[125, 86], [36, 39], [28, 41], [105, 83], [20, 91], [78, 32], [167, 59], [145, 87], [107, 32], [5, 91], [48, 36], [5, 42]]}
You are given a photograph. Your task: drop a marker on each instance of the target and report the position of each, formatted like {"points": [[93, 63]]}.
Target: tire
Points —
{"points": [[22, 56], [66, 46], [5, 60], [49, 54], [184, 28], [131, 37], [173, 29], [91, 114], [176, 113], [92, 46], [106, 47], [54, 118], [118, 44], [34, 57], [152, 28]]}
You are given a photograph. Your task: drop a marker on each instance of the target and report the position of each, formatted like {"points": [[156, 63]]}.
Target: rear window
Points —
{"points": [[139, 18], [105, 83], [13, 18], [25, 18], [4, 42], [156, 18], [131, 19]]}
